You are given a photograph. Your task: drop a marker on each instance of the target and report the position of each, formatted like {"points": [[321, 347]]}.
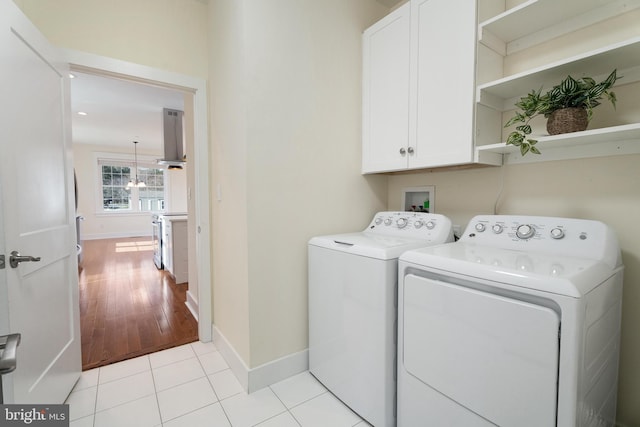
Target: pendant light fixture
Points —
{"points": [[136, 183]]}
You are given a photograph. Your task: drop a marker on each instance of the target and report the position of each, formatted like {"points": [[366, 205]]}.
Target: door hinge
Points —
{"points": [[1, 261]]}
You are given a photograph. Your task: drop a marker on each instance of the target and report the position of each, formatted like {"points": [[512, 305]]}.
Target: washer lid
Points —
{"points": [[563, 275], [369, 244]]}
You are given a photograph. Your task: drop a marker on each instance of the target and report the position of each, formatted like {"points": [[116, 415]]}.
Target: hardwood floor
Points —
{"points": [[128, 307]]}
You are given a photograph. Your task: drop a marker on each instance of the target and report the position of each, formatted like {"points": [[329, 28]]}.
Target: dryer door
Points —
{"points": [[494, 356]]}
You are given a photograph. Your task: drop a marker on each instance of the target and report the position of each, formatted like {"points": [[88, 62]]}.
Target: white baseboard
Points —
{"points": [[264, 375], [233, 359], [115, 235], [192, 305], [278, 370]]}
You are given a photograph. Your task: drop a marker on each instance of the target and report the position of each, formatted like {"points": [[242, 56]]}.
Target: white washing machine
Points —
{"points": [[353, 308], [516, 324]]}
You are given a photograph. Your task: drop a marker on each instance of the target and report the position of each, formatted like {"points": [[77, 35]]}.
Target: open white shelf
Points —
{"points": [[536, 21], [625, 56], [615, 140]]}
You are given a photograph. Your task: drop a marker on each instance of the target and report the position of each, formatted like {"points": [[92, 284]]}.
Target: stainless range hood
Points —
{"points": [[174, 155]]}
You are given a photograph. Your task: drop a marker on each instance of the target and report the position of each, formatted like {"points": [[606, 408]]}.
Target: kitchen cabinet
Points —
{"points": [[419, 87], [175, 248], [533, 23]]}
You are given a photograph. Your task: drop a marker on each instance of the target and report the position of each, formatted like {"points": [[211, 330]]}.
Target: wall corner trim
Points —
{"points": [[264, 375], [192, 305]]}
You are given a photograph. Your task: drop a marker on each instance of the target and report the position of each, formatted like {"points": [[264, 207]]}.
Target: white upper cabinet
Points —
{"points": [[419, 87], [438, 85], [385, 127], [443, 81], [579, 38]]}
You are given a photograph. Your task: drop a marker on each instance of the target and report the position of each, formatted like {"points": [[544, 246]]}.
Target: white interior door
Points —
{"points": [[37, 218]]}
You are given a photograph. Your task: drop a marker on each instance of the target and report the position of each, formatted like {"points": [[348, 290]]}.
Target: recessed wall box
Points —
{"points": [[419, 199]]}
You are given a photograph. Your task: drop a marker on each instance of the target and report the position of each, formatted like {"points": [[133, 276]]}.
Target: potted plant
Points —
{"points": [[567, 106]]}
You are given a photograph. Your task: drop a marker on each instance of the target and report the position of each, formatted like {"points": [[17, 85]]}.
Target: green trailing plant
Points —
{"points": [[570, 93]]}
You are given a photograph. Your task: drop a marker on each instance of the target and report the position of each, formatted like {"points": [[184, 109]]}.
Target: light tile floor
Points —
{"points": [[192, 386]]}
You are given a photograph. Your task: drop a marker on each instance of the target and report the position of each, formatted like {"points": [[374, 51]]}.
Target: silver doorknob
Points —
{"points": [[410, 150], [8, 345], [403, 151], [15, 259]]}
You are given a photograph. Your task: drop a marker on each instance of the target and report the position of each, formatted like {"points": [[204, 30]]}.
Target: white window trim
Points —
{"points": [[145, 161]]}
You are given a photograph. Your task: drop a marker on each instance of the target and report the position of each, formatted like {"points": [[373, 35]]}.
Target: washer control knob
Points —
{"points": [[480, 227], [378, 221], [557, 233], [557, 270], [430, 225], [525, 231], [418, 223], [402, 222], [387, 221], [497, 228]]}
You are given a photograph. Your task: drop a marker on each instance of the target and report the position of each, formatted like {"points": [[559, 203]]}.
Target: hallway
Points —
{"points": [[128, 308]]}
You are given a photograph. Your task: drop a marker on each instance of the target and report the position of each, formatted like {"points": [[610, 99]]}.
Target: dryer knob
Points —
{"points": [[557, 233], [431, 225], [525, 231], [480, 227], [402, 222], [378, 221], [387, 221], [419, 223], [497, 228]]}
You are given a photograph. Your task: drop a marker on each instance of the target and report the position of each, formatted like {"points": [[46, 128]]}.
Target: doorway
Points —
{"points": [[199, 161]]}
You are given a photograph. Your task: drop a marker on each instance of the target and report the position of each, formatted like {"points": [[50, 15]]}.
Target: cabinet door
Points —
{"points": [[385, 128], [180, 259], [442, 92], [168, 246]]}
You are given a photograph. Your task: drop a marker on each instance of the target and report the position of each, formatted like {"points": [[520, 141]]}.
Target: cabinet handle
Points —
{"points": [[403, 151], [410, 150]]}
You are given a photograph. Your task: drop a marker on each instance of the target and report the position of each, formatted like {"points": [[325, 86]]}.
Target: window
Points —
{"points": [[114, 187], [151, 197], [117, 197]]}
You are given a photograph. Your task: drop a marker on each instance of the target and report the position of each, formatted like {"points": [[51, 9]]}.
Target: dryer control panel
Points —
{"points": [[562, 236], [419, 225]]}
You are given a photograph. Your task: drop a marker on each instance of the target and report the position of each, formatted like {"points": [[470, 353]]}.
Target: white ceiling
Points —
{"points": [[119, 111]]}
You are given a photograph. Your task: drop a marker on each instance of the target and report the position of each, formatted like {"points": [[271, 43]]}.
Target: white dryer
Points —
{"points": [[516, 324], [353, 308]]}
